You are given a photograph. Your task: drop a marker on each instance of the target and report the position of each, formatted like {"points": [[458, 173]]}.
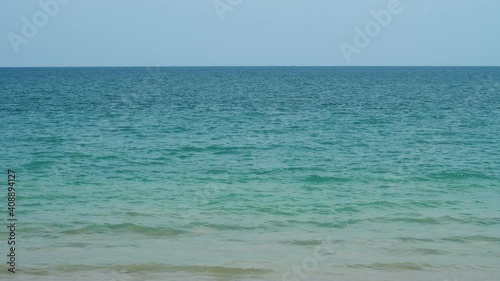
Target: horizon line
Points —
{"points": [[228, 66]]}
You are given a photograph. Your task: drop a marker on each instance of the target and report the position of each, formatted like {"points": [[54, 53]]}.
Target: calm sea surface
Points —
{"points": [[272, 173]]}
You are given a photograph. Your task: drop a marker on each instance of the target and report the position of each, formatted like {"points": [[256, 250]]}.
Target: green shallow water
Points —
{"points": [[242, 173]]}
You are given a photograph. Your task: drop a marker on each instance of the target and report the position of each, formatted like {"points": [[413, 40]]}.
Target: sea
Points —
{"points": [[251, 173]]}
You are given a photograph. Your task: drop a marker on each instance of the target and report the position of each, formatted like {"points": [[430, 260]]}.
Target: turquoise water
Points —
{"points": [[253, 173]]}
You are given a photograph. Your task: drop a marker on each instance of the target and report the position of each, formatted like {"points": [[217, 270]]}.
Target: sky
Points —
{"points": [[249, 33]]}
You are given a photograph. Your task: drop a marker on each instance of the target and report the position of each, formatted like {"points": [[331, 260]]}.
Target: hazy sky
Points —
{"points": [[249, 32]]}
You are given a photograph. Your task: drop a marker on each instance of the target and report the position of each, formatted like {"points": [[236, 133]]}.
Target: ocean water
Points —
{"points": [[252, 173]]}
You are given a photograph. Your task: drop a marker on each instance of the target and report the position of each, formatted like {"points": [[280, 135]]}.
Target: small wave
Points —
{"points": [[423, 251], [379, 204], [323, 179], [347, 210], [35, 204], [427, 220], [339, 224], [132, 214], [274, 211], [76, 245], [470, 239], [460, 175], [227, 226], [156, 267], [303, 242], [124, 228], [221, 270], [436, 220], [396, 266], [414, 240], [218, 150]]}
